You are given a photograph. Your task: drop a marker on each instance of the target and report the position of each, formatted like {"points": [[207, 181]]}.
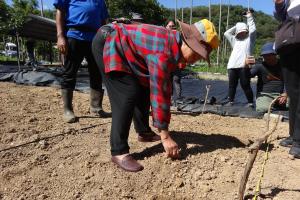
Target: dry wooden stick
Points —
{"points": [[206, 96], [253, 150]]}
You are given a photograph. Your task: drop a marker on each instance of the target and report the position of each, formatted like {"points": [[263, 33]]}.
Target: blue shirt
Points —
{"points": [[89, 14]]}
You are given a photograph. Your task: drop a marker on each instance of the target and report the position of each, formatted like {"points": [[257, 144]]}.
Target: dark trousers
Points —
{"points": [[176, 87], [128, 98], [242, 74], [77, 50], [291, 72]]}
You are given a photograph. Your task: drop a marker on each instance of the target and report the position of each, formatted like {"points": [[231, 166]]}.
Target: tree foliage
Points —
{"points": [[151, 11], [4, 16], [18, 12]]}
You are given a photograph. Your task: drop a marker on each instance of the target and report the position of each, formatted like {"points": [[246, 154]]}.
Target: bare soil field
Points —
{"points": [[41, 157]]}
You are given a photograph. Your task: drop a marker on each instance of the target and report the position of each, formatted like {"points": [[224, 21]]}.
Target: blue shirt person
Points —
{"points": [[77, 22]]}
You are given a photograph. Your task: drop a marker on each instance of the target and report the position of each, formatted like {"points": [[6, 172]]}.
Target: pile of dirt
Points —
{"points": [[41, 157]]}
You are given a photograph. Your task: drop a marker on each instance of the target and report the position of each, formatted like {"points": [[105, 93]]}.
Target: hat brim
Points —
{"points": [[242, 31], [267, 53], [195, 40]]}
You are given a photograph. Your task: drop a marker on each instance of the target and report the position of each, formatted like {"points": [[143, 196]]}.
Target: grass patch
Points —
{"points": [[205, 68], [7, 58]]}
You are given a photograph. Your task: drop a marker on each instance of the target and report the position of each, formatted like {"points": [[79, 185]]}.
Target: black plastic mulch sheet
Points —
{"points": [[191, 87], [43, 76]]}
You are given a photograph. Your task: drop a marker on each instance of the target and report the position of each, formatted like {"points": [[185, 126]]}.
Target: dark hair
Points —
{"points": [[171, 20]]}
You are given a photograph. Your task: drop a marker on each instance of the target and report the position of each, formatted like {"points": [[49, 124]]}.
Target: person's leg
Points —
{"points": [[233, 82], [141, 117], [294, 109], [96, 91], [288, 79], [176, 79], [245, 80], [263, 102], [122, 91], [142, 111], [71, 66], [291, 73]]}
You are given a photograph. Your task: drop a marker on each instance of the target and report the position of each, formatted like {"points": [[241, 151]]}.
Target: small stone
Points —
{"points": [[230, 163], [32, 119], [224, 158], [69, 131], [54, 174], [12, 130], [88, 164], [43, 144], [60, 166], [292, 157], [9, 140], [21, 198], [179, 183], [43, 196], [88, 176], [198, 175], [77, 195]]}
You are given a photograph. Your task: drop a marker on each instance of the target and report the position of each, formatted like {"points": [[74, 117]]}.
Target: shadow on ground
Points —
{"points": [[274, 192], [192, 143]]}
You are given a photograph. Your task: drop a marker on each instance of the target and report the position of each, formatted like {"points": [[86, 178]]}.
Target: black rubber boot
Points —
{"points": [[96, 104], [286, 142], [67, 96], [295, 149]]}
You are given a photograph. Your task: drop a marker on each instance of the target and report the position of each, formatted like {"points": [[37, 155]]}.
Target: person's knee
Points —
{"points": [[261, 108]]}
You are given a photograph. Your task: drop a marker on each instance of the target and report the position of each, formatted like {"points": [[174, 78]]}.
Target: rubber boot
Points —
{"points": [[67, 96], [96, 104]]}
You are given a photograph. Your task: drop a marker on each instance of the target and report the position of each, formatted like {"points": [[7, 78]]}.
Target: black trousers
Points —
{"points": [[176, 87], [79, 49], [291, 72], [242, 74], [128, 98]]}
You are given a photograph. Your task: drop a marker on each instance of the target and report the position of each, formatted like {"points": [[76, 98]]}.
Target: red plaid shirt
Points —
{"points": [[150, 53]]}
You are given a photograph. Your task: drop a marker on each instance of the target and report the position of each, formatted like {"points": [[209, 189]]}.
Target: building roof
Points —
{"points": [[39, 28]]}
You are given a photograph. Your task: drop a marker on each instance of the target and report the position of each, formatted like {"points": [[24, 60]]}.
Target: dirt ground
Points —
{"points": [[41, 157]]}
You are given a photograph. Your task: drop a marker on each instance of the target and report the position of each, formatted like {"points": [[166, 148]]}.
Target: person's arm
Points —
{"points": [[104, 14], [230, 35], [160, 97], [251, 24], [62, 44], [280, 10], [255, 71], [252, 30]]}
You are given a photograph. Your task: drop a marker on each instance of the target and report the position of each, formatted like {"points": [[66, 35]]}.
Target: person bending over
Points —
{"points": [[136, 61]]}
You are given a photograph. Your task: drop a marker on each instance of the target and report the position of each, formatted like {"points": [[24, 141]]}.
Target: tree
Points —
{"points": [[19, 11], [151, 11], [4, 16]]}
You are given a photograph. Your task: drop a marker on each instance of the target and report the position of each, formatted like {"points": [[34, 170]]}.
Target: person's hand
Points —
{"points": [[250, 60], [62, 44], [282, 99], [169, 144], [278, 1]]}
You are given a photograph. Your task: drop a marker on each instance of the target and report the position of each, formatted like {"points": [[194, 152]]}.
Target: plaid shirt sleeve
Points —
{"points": [[160, 90]]}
